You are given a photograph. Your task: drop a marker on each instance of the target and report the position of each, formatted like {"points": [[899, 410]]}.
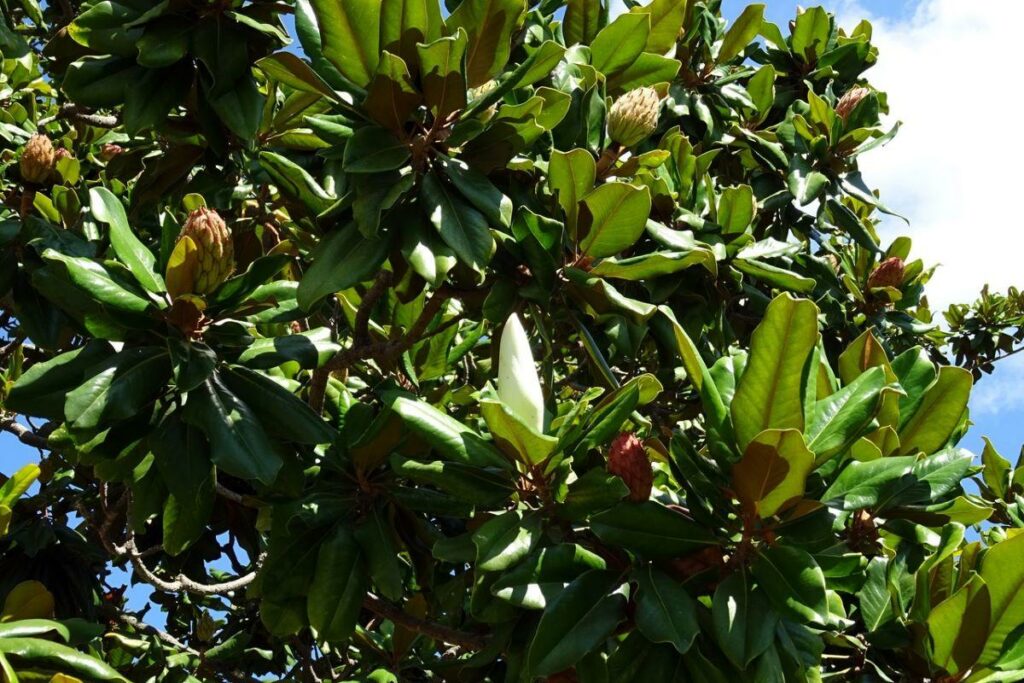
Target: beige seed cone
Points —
{"points": [[37, 159], [209, 260], [634, 116]]}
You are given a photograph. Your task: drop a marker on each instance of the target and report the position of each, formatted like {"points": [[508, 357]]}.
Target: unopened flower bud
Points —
{"points": [[109, 150], [889, 273], [628, 460], [848, 102], [37, 159], [203, 256], [518, 384], [634, 116]]}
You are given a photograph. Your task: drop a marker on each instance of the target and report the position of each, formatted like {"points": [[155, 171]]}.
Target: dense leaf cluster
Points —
{"points": [[492, 341]]}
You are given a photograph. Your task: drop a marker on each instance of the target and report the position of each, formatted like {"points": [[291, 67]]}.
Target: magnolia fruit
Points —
{"points": [[849, 101], [203, 257], [889, 273], [634, 116], [37, 159], [628, 460], [518, 383]]}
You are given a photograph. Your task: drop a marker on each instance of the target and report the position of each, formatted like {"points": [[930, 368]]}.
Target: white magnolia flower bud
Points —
{"points": [[518, 383]]}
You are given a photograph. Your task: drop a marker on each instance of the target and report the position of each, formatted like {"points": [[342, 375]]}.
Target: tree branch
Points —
{"points": [[384, 351], [181, 582], [76, 113], [25, 435], [445, 634]]}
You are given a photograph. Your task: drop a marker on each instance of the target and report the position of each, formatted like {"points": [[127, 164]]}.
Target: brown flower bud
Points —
{"points": [[203, 257], [109, 150], [37, 159], [628, 460], [889, 273], [849, 101], [634, 116]]}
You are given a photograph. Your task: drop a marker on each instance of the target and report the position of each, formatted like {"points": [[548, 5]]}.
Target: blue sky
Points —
{"points": [[945, 193]]}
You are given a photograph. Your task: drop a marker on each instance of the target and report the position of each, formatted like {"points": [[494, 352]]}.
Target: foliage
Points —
{"points": [[381, 357]]}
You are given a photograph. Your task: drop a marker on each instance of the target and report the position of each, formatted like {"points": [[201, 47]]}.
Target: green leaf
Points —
{"points": [[447, 436], [1003, 573], [860, 484], [339, 585], [582, 21], [99, 284], [651, 530], [997, 470], [18, 484], [120, 389], [462, 227], [469, 483], [515, 437], [576, 622], [736, 209], [619, 43], [374, 536], [441, 77], [290, 69], [392, 97], [648, 266], [741, 33], [504, 540], [183, 460], [238, 443], [773, 275], [667, 17], [405, 23], [939, 414], [743, 621], [342, 260], [571, 176], [771, 392], [309, 349], [52, 655], [845, 416], [489, 25], [42, 389], [793, 582], [665, 612], [296, 182], [350, 36], [811, 33], [280, 410], [534, 582], [772, 474], [373, 150], [479, 191], [108, 209], [958, 626], [612, 218]]}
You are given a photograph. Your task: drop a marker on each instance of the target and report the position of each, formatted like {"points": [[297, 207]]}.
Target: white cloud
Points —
{"points": [[999, 393], [953, 168]]}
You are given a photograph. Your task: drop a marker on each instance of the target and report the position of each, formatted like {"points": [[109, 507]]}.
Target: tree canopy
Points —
{"points": [[491, 340]]}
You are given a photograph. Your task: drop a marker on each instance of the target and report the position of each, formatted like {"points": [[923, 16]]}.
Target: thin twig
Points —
{"points": [[470, 641], [162, 635]]}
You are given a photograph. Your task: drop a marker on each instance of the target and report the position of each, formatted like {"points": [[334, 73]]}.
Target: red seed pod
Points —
{"points": [[889, 273], [628, 460]]}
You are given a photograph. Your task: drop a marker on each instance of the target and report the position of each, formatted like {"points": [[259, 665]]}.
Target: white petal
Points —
{"points": [[518, 383]]}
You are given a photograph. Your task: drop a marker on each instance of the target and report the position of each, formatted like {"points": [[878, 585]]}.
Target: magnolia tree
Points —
{"points": [[493, 341]]}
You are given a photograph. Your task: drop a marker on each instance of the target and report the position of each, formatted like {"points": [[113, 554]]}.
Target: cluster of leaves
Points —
{"points": [[308, 461]]}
